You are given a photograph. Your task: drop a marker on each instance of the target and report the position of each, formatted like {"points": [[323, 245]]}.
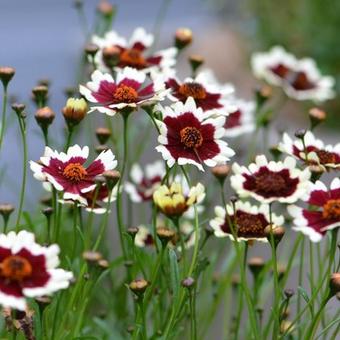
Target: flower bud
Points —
{"points": [[92, 257], [104, 264], [101, 148], [18, 108], [75, 111], [183, 38], [48, 212], [43, 301], [105, 8], [195, 61], [40, 95], [275, 152], [334, 283], [188, 282], [316, 117], [132, 231], [70, 91], [300, 133], [263, 94], [289, 293], [112, 177], [165, 235], [44, 117], [221, 172], [235, 280], [6, 211], [277, 233], [6, 75], [138, 286], [256, 264], [103, 134], [91, 49], [111, 56]]}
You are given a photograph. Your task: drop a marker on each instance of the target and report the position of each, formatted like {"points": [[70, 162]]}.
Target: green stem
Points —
{"points": [[192, 306], [69, 138], [3, 119], [300, 280]]}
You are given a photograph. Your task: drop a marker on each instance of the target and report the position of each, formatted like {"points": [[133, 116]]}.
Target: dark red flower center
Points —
{"points": [[280, 70], [133, 57], [325, 157], [75, 172], [300, 81], [15, 268], [191, 137], [269, 182], [248, 224], [125, 94], [195, 90], [331, 210]]}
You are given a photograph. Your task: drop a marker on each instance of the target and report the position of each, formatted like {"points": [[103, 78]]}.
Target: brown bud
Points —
{"points": [[111, 56], [40, 94], [18, 108], [75, 111], [165, 234], [316, 116], [275, 152], [43, 301], [44, 82], [101, 148], [112, 177], [221, 172], [6, 211], [91, 49], [277, 233], [104, 264], [44, 116], [263, 94], [105, 8], [188, 282], [256, 264], [235, 280], [48, 211], [281, 270], [300, 133], [289, 293], [6, 74], [92, 256], [195, 61], [103, 134], [183, 37], [138, 286], [334, 283], [47, 200], [132, 231]]}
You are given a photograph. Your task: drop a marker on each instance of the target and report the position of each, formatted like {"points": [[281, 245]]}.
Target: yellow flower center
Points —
{"points": [[125, 94], [331, 210], [193, 89], [15, 268], [191, 137], [75, 172]]}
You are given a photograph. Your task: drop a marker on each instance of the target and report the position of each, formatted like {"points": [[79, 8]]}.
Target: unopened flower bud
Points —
{"points": [[300, 133], [221, 172], [105, 8], [183, 38], [281, 270], [48, 212], [275, 152], [43, 301], [334, 283], [289, 293], [70, 91], [111, 56], [6, 75], [103, 134], [165, 235], [234, 199], [195, 61], [275, 232], [132, 231], [6, 211], [100, 148], [263, 94], [138, 286], [112, 177], [235, 280], [104, 264], [44, 117], [188, 282], [256, 264], [18, 108], [40, 95], [92, 256], [75, 111], [91, 49], [316, 117]]}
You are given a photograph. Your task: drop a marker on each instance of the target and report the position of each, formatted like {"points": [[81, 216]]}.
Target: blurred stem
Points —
{"points": [[159, 20], [88, 236], [192, 306], [24, 173], [3, 118], [75, 215], [300, 281]]}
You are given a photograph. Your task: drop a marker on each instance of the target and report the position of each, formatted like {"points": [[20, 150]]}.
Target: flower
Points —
{"points": [[248, 220], [173, 202], [270, 181], [241, 120], [204, 89], [312, 151], [67, 173], [28, 269], [300, 78], [144, 237], [324, 211], [127, 92], [189, 136], [133, 53], [144, 184]]}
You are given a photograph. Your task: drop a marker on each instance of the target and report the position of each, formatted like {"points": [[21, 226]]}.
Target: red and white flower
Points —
{"points": [[128, 91], [144, 237], [67, 172], [204, 89], [190, 136], [300, 78], [133, 53], [312, 151], [325, 214], [270, 181], [145, 183], [28, 269], [248, 221], [241, 120]]}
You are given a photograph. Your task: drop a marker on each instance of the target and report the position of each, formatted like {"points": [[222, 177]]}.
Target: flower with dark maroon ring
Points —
{"points": [[144, 183], [204, 89], [300, 78], [190, 136], [130, 90], [248, 221], [144, 237], [312, 151], [323, 213], [270, 181], [28, 270], [115, 52], [67, 172]]}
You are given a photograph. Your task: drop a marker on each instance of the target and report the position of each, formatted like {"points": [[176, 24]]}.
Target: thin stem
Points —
{"points": [[3, 119], [75, 215], [69, 138], [300, 280], [192, 306]]}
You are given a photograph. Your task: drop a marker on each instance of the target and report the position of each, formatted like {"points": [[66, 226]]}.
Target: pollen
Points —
{"points": [[132, 57], [331, 210], [195, 90], [15, 268], [75, 172], [325, 157], [249, 225], [125, 94], [270, 182], [191, 137]]}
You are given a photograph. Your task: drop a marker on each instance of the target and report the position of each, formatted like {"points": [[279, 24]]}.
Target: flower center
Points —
{"points": [[125, 94], [331, 210], [191, 137], [300, 81], [75, 172], [249, 225], [325, 157], [269, 182], [15, 268], [132, 57], [194, 90]]}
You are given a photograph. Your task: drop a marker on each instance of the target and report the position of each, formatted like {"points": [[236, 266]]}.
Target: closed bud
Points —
{"points": [[235, 280], [132, 231], [40, 93], [92, 256], [6, 75], [112, 177], [275, 232], [334, 283], [44, 117], [165, 235], [289, 293], [316, 117], [48, 212], [103, 134], [104, 264], [256, 264], [263, 94], [91, 49], [105, 8], [6, 211], [138, 286], [43, 301], [100, 148], [75, 111], [18, 108], [195, 61], [221, 172], [300, 133], [183, 38], [70, 91], [234, 199], [188, 282], [111, 56]]}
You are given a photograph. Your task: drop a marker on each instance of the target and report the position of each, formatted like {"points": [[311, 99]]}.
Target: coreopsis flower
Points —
{"points": [[190, 136], [145, 182], [323, 213], [28, 270], [207, 93], [173, 201], [241, 120], [144, 237], [116, 52], [67, 173], [312, 151], [299, 78], [130, 90], [270, 181], [248, 221]]}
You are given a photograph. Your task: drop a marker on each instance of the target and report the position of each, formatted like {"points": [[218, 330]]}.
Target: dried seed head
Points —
{"points": [[6, 74], [103, 134], [221, 172], [138, 286], [75, 111], [255, 265], [44, 116], [195, 61], [91, 49], [334, 283], [92, 256], [183, 37], [188, 282]]}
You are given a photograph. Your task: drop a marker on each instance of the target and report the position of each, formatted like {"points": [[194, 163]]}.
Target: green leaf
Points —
{"points": [[174, 273], [304, 295]]}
